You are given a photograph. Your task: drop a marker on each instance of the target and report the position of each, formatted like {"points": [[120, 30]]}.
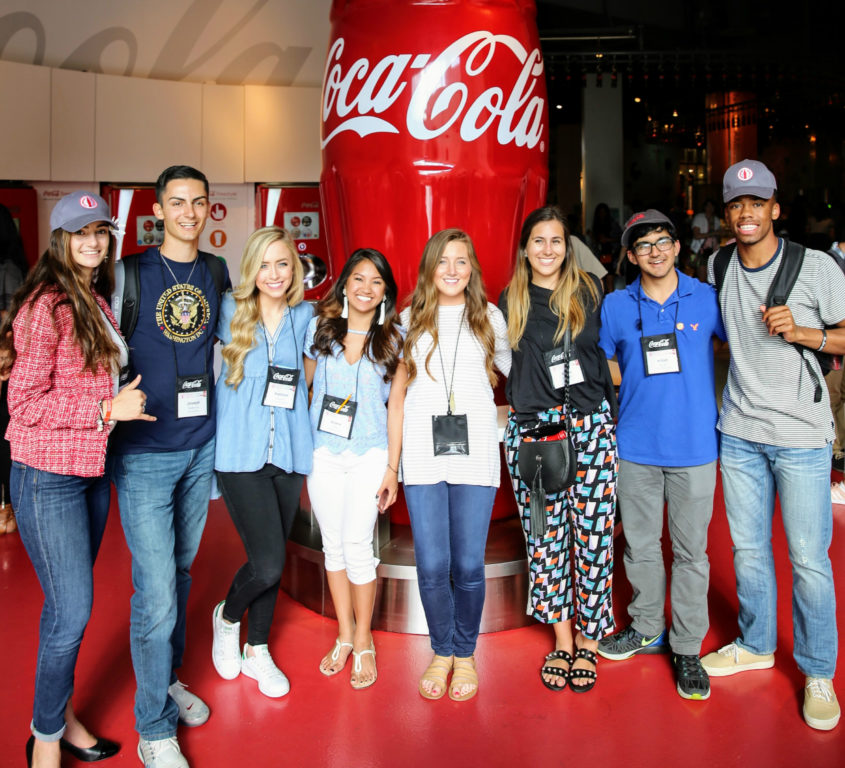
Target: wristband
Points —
{"points": [[824, 340], [107, 410], [396, 471]]}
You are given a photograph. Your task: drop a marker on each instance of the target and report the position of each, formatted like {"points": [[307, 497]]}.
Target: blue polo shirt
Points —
{"points": [[667, 419]]}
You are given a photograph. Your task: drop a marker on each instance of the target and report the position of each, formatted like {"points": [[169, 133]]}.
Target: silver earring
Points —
{"points": [[381, 314], [345, 311]]}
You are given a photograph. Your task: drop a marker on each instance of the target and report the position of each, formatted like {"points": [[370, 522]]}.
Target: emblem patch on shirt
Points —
{"points": [[182, 313]]}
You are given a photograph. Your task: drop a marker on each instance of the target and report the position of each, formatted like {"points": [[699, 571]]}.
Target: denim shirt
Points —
{"points": [[245, 427], [364, 382]]}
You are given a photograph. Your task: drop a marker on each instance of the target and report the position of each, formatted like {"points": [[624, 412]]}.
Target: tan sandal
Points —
{"points": [[437, 673], [464, 673], [334, 656], [8, 523]]}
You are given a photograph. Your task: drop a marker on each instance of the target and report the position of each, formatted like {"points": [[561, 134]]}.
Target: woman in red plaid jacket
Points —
{"points": [[63, 401]]}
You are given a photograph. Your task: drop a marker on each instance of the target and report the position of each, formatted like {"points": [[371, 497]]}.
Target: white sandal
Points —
{"points": [[334, 656], [357, 669]]}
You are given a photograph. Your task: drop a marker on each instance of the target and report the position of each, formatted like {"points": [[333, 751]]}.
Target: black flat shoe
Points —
{"points": [[102, 750]]}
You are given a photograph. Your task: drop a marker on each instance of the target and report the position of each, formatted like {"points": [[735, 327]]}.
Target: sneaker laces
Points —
{"points": [[819, 688], [264, 661], [155, 748], [731, 649]]}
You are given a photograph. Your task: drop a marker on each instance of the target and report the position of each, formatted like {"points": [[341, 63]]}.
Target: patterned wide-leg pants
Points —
{"points": [[580, 522]]}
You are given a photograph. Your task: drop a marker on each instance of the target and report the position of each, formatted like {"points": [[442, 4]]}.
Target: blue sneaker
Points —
{"points": [[628, 642]]}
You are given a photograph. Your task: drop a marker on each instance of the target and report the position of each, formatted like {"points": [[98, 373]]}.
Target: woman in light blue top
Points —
{"points": [[264, 445], [354, 350]]}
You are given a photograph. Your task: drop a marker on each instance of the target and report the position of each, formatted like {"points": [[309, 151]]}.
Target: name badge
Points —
{"points": [[191, 396], [450, 435], [280, 390], [337, 416], [554, 364], [660, 354]]}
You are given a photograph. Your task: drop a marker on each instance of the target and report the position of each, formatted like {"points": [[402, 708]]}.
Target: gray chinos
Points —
{"points": [[642, 490]]}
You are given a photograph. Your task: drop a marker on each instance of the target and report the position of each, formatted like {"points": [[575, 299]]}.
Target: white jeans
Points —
{"points": [[342, 488]]}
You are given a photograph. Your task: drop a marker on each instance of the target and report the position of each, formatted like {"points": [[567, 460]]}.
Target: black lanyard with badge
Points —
{"points": [[191, 391], [280, 387], [450, 433], [660, 351], [337, 414]]}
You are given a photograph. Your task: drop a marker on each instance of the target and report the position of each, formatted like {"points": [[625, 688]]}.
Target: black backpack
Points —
{"points": [[779, 290], [127, 289]]}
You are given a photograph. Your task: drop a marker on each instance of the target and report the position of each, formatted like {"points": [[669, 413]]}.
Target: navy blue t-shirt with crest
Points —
{"points": [[178, 308]]}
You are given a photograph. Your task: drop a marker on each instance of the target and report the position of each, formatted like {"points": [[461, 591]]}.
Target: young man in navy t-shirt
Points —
{"points": [[163, 471], [661, 329]]}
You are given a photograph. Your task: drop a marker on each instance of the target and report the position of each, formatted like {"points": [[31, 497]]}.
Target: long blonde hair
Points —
{"points": [[247, 313], [568, 299], [424, 303]]}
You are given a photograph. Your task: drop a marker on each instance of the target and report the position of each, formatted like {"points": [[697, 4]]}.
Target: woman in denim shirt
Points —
{"points": [[264, 444], [354, 350]]}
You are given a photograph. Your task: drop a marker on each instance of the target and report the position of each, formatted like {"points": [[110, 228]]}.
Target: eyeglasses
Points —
{"points": [[643, 248]]}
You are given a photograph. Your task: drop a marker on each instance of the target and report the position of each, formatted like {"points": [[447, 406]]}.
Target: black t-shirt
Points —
{"points": [[529, 388]]}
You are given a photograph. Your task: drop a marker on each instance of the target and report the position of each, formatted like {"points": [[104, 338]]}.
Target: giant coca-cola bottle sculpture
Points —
{"points": [[434, 115]]}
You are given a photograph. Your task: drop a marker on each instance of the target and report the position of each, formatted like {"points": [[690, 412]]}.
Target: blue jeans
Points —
{"points": [[450, 524], [751, 474], [163, 505], [61, 519]]}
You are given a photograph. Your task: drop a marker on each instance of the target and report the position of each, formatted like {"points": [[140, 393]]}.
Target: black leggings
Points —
{"points": [[262, 505]]}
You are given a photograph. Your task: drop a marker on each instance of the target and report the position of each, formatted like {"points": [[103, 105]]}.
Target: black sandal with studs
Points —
{"points": [[546, 669], [581, 674]]}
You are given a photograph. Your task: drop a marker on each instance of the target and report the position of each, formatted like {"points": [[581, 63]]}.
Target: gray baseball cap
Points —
{"points": [[748, 177], [77, 210], [651, 216]]}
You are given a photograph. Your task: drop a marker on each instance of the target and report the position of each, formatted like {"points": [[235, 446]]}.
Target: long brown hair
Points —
{"points": [[569, 298], [247, 312], [383, 341], [57, 272], [424, 304]]}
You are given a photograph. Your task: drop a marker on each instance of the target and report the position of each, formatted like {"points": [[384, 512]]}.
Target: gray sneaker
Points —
{"points": [[192, 709], [161, 753], [628, 642]]}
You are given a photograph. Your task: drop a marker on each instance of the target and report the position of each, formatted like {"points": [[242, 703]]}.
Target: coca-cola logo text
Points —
{"points": [[358, 92]]}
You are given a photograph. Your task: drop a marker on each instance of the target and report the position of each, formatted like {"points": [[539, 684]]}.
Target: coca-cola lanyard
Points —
{"points": [[450, 392], [354, 395], [272, 338], [660, 351], [176, 282]]}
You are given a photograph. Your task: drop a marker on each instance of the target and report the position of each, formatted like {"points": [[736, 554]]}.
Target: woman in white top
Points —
{"points": [[450, 462]]}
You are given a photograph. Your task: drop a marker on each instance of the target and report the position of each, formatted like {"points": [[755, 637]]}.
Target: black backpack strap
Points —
{"points": [[217, 266], [130, 295], [779, 290], [720, 265], [787, 274]]}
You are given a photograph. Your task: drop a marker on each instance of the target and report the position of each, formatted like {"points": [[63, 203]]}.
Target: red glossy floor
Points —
{"points": [[633, 717]]}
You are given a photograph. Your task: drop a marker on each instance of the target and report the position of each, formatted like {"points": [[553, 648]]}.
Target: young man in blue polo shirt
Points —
{"points": [[661, 328]]}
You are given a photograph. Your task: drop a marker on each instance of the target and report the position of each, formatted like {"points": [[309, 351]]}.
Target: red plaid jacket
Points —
{"points": [[53, 398]]}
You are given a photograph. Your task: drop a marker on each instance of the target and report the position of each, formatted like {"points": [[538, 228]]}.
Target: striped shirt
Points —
{"points": [[473, 396], [769, 394]]}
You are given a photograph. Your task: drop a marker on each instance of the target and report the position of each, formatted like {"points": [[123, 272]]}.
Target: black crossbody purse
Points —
{"points": [[547, 459]]}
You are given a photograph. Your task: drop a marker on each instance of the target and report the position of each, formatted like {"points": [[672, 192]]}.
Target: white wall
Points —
{"points": [[227, 42]]}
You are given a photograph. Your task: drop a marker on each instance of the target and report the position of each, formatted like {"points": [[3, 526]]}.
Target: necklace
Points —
{"points": [[175, 279]]}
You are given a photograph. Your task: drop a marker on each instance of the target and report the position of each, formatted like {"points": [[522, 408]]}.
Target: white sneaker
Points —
{"points": [[192, 709], [226, 646], [161, 753], [271, 680], [837, 493]]}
